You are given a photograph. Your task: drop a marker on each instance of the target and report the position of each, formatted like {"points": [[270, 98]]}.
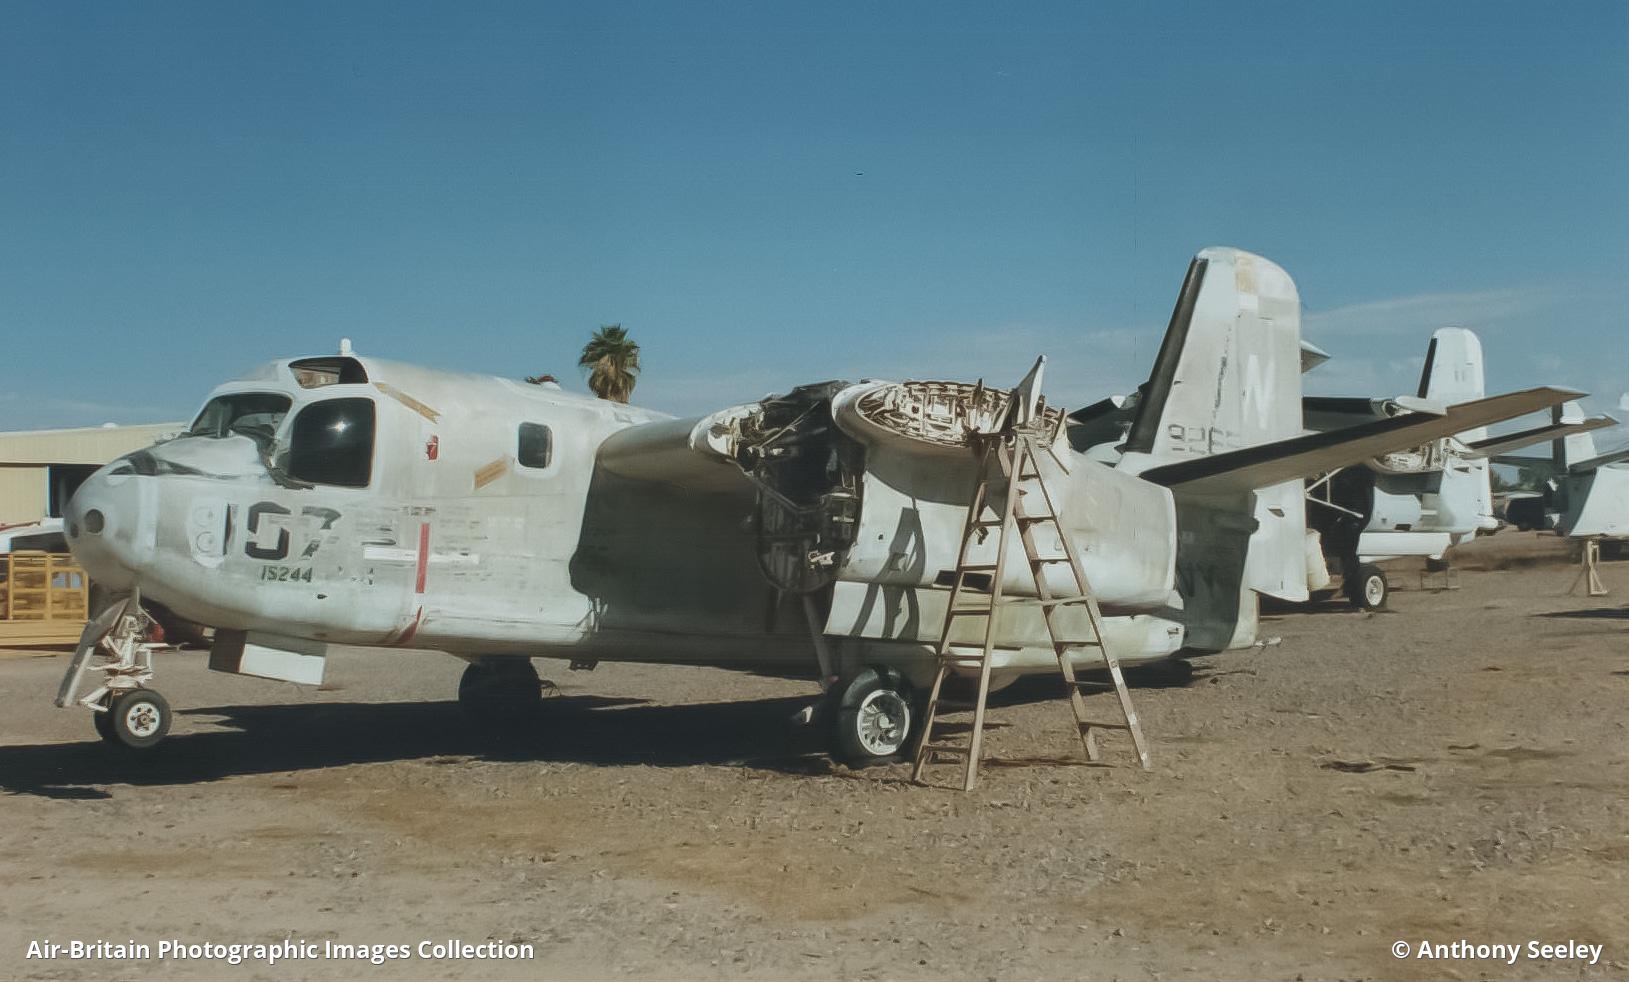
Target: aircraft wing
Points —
{"points": [[1303, 456], [1497, 445], [673, 452], [1338, 412]]}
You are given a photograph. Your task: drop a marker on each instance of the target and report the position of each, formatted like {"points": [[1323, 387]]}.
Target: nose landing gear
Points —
{"points": [[125, 712]]}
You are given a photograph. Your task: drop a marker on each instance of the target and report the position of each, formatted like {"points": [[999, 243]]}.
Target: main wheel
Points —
{"points": [[136, 718], [500, 690], [1368, 589], [875, 719]]}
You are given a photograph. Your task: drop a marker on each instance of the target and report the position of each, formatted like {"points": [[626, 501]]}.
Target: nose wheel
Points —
{"points": [[137, 719]]}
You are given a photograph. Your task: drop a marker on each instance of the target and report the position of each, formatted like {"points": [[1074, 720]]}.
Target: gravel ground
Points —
{"points": [[1452, 769]]}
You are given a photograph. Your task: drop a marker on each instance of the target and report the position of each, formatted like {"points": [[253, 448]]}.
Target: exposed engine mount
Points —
{"points": [[807, 473]]}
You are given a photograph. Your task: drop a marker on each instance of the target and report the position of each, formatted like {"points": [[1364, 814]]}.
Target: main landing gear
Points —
{"points": [[125, 712], [873, 718], [500, 691], [1366, 586]]}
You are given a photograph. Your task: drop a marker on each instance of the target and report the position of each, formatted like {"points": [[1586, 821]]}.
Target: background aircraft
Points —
{"points": [[1585, 496], [1423, 500]]}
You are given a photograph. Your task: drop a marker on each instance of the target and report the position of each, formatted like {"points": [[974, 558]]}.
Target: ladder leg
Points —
{"points": [[976, 747], [928, 719]]}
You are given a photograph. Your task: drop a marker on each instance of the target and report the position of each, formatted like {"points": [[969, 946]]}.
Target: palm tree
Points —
{"points": [[612, 361]]}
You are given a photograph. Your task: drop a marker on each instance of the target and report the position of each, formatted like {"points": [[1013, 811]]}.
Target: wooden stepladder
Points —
{"points": [[1589, 570], [1016, 499]]}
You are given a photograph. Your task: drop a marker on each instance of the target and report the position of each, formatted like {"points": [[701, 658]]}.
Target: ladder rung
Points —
{"points": [[1037, 560], [1077, 643], [964, 611], [1035, 519], [977, 568], [1103, 686], [1060, 601], [1105, 726]]}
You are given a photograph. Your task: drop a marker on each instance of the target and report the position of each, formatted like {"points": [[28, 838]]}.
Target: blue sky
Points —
{"points": [[767, 194]]}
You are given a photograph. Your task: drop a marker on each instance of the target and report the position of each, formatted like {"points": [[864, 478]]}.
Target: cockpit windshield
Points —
{"points": [[253, 414]]}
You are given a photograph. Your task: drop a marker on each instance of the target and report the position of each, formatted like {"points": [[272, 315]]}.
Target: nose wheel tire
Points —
{"points": [[136, 719], [1368, 590], [875, 718], [500, 690]]}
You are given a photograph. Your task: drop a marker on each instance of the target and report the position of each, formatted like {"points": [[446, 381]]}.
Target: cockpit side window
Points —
{"points": [[241, 412], [331, 442], [536, 447]]}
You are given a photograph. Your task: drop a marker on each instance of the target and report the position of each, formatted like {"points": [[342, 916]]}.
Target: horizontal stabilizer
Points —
{"points": [[1496, 445], [1595, 463], [1315, 453], [1312, 356]]}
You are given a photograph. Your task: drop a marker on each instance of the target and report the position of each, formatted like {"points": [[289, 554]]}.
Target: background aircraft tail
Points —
{"points": [[1575, 448], [1453, 374], [1453, 370]]}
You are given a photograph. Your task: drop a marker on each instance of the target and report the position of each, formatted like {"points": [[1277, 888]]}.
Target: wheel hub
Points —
{"points": [[141, 719], [883, 720], [1373, 590]]}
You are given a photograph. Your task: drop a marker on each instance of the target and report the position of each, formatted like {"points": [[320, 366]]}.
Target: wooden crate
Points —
{"points": [[43, 598]]}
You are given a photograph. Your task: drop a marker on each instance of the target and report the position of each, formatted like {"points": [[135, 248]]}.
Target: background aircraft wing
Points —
{"points": [[1494, 446], [1303, 456]]}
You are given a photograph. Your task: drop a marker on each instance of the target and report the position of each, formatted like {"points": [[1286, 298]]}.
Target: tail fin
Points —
{"points": [[1453, 375], [1453, 367], [1575, 448], [1228, 377]]}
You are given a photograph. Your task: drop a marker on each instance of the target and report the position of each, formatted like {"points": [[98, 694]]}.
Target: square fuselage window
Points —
{"points": [[536, 445]]}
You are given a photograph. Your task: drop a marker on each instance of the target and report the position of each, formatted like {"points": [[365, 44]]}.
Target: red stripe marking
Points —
{"points": [[424, 556], [412, 629]]}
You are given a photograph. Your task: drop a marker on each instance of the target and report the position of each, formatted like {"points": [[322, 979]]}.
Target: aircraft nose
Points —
{"points": [[103, 523]]}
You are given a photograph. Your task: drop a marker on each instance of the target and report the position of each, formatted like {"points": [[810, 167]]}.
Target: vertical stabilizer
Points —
{"points": [[1453, 367], [1228, 377], [1454, 374], [1574, 448], [1228, 374]]}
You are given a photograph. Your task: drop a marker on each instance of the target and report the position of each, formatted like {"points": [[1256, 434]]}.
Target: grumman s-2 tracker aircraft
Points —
{"points": [[1421, 501], [341, 500]]}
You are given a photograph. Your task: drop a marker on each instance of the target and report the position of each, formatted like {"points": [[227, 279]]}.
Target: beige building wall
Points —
{"points": [[26, 457], [22, 494], [87, 445]]}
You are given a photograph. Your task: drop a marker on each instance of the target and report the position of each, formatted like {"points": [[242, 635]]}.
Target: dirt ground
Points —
{"points": [[1453, 769]]}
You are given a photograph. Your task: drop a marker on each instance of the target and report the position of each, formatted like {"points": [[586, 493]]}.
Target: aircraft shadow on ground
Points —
{"points": [[1272, 607], [1589, 613], [569, 729]]}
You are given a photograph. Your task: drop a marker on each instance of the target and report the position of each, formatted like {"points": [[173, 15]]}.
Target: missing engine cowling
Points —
{"points": [[808, 475]]}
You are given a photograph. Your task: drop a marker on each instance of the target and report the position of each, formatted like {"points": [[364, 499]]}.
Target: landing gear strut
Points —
{"points": [[500, 690], [125, 712]]}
